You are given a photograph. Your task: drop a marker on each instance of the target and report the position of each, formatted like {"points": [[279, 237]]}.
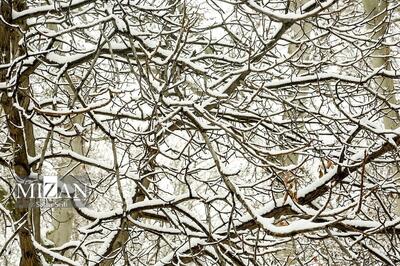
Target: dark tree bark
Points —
{"points": [[19, 128]]}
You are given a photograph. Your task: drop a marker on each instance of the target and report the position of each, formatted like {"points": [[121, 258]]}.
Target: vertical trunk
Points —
{"points": [[299, 32], [63, 218], [376, 10], [20, 130], [377, 13], [34, 217]]}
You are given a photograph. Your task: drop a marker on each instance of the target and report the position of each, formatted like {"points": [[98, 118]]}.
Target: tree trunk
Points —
{"points": [[19, 128], [380, 58], [298, 32]]}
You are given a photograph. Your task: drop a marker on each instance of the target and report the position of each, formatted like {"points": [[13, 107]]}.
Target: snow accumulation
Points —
{"points": [[289, 16], [55, 255], [292, 228], [47, 8], [325, 179], [53, 57]]}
